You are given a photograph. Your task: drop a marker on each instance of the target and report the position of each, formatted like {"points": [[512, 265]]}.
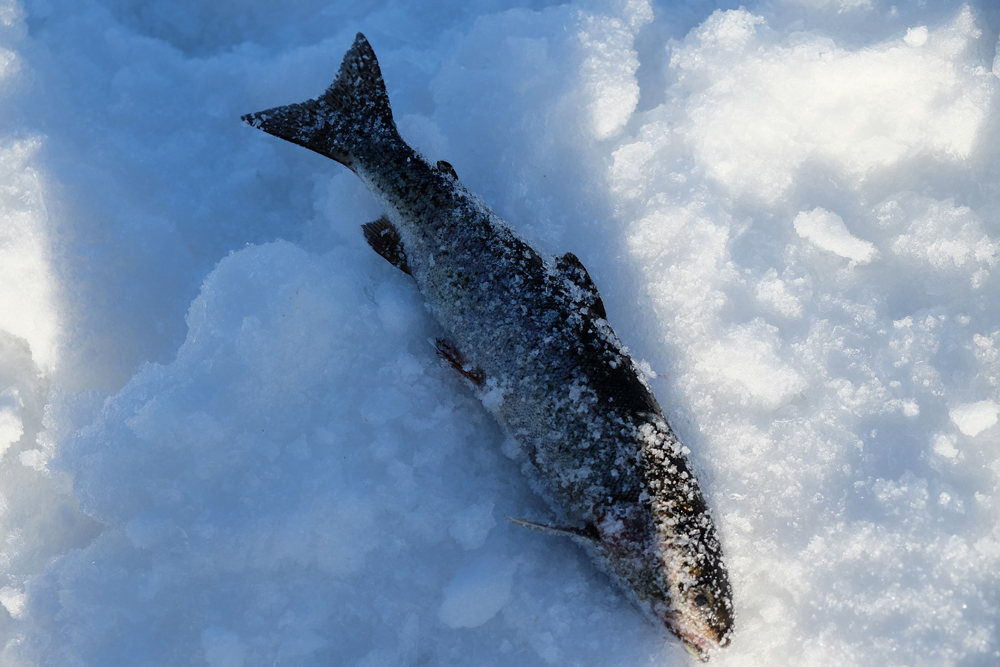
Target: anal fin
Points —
{"points": [[453, 356], [384, 239]]}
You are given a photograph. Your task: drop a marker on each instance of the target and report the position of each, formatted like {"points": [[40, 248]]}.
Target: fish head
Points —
{"points": [[701, 613], [679, 583]]}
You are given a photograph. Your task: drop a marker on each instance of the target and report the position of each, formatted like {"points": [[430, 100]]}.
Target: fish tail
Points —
{"points": [[353, 111]]}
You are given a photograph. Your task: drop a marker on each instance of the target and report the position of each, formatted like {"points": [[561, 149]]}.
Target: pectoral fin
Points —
{"points": [[384, 239], [454, 356], [588, 531]]}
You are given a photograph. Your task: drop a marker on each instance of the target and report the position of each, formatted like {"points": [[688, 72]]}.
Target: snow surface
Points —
{"points": [[227, 441]]}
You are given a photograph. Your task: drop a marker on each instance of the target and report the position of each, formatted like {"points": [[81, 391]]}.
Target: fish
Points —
{"points": [[529, 334]]}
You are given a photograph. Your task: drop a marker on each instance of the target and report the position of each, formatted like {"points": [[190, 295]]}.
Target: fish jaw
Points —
{"points": [[697, 637], [701, 597], [698, 645]]}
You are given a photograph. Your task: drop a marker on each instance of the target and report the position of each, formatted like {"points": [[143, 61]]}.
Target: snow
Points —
{"points": [[472, 525], [227, 439], [477, 592], [974, 418], [827, 231]]}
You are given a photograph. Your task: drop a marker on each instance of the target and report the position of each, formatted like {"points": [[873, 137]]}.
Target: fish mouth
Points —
{"points": [[699, 645]]}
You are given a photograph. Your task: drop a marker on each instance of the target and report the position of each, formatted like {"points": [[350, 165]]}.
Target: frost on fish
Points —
{"points": [[529, 333]]}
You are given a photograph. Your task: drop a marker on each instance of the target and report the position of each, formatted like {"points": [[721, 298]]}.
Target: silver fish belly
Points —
{"points": [[529, 333]]}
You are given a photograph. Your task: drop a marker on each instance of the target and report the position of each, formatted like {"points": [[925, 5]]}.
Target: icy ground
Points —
{"points": [[226, 440]]}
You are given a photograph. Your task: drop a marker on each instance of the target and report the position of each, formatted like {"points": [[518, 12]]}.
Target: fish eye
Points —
{"points": [[701, 599]]}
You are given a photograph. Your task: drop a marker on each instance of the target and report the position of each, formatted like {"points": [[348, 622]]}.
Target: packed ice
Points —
{"points": [[226, 436]]}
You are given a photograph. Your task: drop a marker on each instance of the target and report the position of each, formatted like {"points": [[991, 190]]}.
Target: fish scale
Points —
{"points": [[530, 335]]}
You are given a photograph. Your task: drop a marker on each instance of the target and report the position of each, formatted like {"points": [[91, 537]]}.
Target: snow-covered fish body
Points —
{"points": [[530, 334]]}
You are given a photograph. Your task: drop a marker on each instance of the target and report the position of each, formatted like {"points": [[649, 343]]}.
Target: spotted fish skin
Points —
{"points": [[530, 334]]}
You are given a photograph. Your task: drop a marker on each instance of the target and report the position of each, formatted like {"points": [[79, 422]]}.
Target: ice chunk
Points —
{"points": [[944, 445], [472, 525], [916, 36], [827, 231], [477, 592], [13, 601], [772, 291], [974, 418], [939, 234]]}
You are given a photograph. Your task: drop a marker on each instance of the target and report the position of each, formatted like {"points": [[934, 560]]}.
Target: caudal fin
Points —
{"points": [[352, 111]]}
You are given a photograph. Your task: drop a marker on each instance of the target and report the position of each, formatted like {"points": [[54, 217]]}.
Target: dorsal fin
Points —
{"points": [[446, 168], [570, 266], [353, 110]]}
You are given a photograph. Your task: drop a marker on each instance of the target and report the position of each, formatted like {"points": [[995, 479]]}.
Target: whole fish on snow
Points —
{"points": [[530, 334]]}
